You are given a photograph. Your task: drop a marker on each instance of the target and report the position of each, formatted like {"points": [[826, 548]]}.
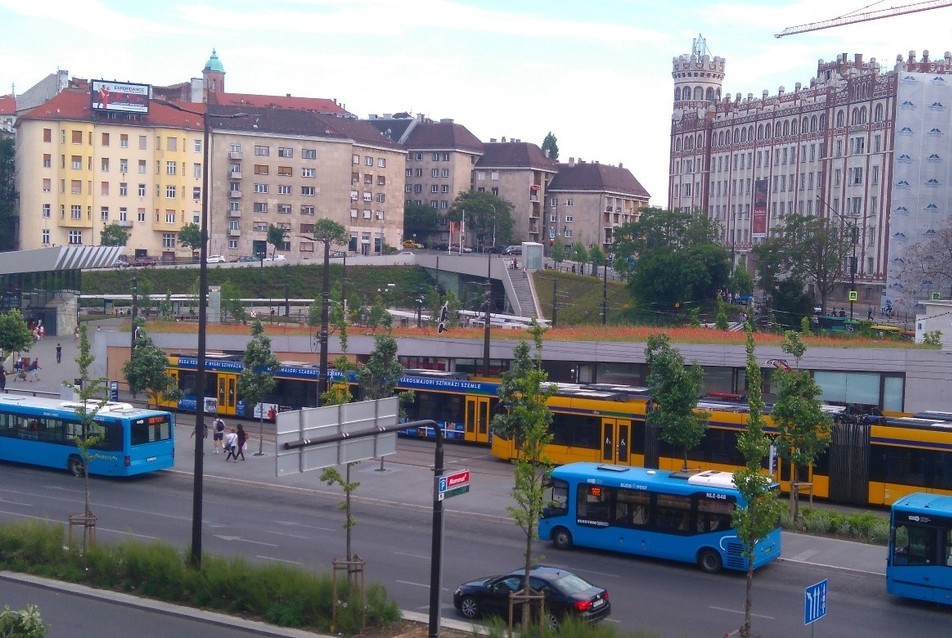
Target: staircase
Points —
{"points": [[523, 297]]}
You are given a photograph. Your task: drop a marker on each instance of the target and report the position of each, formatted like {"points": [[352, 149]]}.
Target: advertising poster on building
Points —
{"points": [[119, 96], [758, 221]]}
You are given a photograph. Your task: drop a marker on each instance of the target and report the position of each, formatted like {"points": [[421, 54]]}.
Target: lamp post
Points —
{"points": [[854, 238], [196, 556]]}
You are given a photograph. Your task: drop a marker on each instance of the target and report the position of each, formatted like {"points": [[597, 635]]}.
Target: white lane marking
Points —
{"points": [[412, 555], [279, 560], [243, 540], [285, 534], [407, 582], [738, 611]]}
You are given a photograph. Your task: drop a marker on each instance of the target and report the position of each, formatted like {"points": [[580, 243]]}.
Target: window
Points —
{"points": [[75, 187], [77, 137], [308, 153], [123, 189], [123, 166], [141, 190], [446, 157], [123, 213], [569, 202], [171, 143], [196, 192], [569, 219], [381, 180], [285, 151], [104, 165], [260, 207], [168, 240], [567, 233], [435, 173], [309, 172], [170, 192], [284, 209], [307, 209], [261, 188], [140, 215], [381, 162], [143, 143], [170, 217], [260, 169], [380, 198], [76, 161], [75, 237], [445, 173], [47, 184], [75, 211], [307, 191], [284, 189], [105, 139], [47, 135], [234, 207], [434, 188], [46, 211], [368, 161], [444, 188], [170, 168], [234, 148], [408, 188], [45, 237], [104, 213], [355, 159], [47, 161], [197, 145], [368, 196], [285, 171], [262, 151], [480, 176], [494, 176], [418, 172]]}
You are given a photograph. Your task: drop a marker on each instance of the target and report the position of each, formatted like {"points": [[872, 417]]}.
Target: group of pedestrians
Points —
{"points": [[232, 442]]}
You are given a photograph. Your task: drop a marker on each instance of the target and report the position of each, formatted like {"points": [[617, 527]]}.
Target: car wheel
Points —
{"points": [[76, 466], [469, 607], [709, 561], [551, 620], [562, 538]]}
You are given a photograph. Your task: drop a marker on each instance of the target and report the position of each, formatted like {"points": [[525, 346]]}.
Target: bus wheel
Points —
{"points": [[562, 538], [709, 561], [76, 466]]}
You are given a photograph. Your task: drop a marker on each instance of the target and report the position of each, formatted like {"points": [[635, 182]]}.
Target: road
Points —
{"points": [[297, 520]]}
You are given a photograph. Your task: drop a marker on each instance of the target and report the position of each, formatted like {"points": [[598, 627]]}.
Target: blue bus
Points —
{"points": [[679, 516], [919, 564], [41, 431]]}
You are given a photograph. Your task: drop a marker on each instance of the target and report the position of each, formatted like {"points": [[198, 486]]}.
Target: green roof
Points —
{"points": [[214, 64]]}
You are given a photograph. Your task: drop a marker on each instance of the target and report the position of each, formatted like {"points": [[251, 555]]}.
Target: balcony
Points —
{"points": [[234, 232], [124, 223], [235, 175], [234, 194], [234, 213], [234, 155]]}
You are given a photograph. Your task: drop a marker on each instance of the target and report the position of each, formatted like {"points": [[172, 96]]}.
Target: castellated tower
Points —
{"points": [[697, 79]]}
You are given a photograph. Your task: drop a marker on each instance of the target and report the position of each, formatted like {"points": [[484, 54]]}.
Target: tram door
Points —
{"points": [[477, 419], [227, 393], [616, 441], [162, 400]]}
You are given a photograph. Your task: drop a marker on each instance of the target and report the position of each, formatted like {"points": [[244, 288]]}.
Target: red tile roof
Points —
{"points": [[313, 104], [444, 136], [74, 105], [589, 176], [8, 105]]}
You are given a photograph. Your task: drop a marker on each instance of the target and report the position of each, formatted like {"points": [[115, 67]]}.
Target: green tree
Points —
{"points": [[8, 195], [675, 390], [165, 306], [740, 281], [25, 623], [257, 376], [147, 368], [277, 237], [15, 335], [596, 256], [487, 216], [762, 513], [672, 257], [579, 254], [379, 376], [720, 319], [559, 252], [421, 220], [113, 235], [524, 390], [803, 428], [190, 236], [231, 302], [550, 146]]}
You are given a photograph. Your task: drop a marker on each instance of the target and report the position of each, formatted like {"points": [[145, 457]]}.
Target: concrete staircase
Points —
{"points": [[523, 297]]}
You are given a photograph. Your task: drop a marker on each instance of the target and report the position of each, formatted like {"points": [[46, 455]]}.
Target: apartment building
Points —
{"points": [[586, 201], [860, 145]]}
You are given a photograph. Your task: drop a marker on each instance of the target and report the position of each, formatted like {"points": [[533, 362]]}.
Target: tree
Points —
{"points": [[559, 251], [113, 235], [8, 195], [231, 302], [740, 281], [147, 368], [277, 237], [257, 376], [803, 429], [927, 266], [92, 399], [674, 393], [329, 232], [15, 335], [487, 217], [550, 146], [190, 236], [579, 254], [524, 390], [672, 257], [379, 376], [421, 220], [763, 508]]}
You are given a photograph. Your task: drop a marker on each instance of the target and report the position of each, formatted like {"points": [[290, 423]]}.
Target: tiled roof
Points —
{"points": [[315, 104], [74, 104], [443, 136], [8, 105], [588, 176], [515, 155]]}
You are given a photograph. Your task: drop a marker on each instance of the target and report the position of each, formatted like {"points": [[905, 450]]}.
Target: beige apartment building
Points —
{"points": [[587, 201]]}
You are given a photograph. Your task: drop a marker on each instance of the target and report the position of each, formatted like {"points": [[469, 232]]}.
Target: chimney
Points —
{"points": [[571, 161]]}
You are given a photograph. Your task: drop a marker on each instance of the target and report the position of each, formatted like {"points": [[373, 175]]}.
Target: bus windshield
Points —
{"points": [[920, 548]]}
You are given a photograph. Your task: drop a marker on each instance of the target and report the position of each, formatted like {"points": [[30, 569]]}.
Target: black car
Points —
{"points": [[442, 246], [496, 250], [566, 594]]}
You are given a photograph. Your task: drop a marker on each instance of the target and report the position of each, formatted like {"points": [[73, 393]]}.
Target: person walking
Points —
{"points": [[59, 353], [242, 437], [204, 435], [3, 379], [219, 435], [231, 440], [35, 370]]}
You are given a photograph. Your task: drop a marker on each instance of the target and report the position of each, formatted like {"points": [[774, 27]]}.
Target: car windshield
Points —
{"points": [[572, 584]]}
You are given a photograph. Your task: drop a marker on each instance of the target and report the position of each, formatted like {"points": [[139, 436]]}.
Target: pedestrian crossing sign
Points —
{"points": [[854, 296]]}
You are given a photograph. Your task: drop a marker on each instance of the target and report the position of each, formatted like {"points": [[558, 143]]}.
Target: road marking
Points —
{"points": [[421, 556], [738, 611], [7, 502], [805, 555], [407, 582], [279, 560], [243, 540], [285, 534]]}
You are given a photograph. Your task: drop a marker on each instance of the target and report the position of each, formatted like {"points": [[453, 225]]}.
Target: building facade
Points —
{"points": [[859, 146]]}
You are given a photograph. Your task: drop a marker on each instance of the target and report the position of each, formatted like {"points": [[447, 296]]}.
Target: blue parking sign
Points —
{"points": [[814, 602]]}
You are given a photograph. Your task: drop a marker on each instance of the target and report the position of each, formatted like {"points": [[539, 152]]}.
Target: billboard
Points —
{"points": [[758, 220], [119, 97]]}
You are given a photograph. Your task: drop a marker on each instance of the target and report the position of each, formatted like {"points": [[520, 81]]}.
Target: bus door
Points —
{"points": [[616, 441], [477, 419], [227, 393]]}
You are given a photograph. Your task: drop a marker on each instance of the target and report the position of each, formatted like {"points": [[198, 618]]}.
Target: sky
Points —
{"points": [[597, 74]]}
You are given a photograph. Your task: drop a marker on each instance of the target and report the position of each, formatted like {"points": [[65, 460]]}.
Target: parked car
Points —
{"points": [[216, 259], [144, 262], [442, 246], [244, 259], [514, 250], [456, 249], [276, 258], [496, 250], [565, 594], [412, 244]]}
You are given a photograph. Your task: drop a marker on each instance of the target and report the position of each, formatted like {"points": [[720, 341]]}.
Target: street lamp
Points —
{"points": [[196, 557]]}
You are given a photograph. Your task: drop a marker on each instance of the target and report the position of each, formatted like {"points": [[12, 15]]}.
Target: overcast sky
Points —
{"points": [[596, 73]]}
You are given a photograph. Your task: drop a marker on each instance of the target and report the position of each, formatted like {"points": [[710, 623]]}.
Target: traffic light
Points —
{"points": [[441, 328]]}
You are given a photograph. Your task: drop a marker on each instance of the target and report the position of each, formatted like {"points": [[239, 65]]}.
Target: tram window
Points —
{"points": [[637, 444], [942, 471]]}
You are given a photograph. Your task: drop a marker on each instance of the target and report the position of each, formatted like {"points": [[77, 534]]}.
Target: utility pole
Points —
{"points": [[555, 294], [605, 293], [135, 308]]}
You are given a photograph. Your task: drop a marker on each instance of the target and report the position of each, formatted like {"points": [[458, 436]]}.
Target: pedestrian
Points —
{"points": [[219, 435], [76, 334], [869, 314], [272, 414], [35, 370], [231, 442], [3, 379], [242, 438], [18, 368], [59, 353], [204, 433]]}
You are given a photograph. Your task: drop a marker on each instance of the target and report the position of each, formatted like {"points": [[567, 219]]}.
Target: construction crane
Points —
{"points": [[861, 15]]}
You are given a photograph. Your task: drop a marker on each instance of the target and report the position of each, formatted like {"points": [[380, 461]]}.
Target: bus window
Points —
{"points": [[673, 513], [915, 545], [714, 515], [592, 505], [559, 505]]}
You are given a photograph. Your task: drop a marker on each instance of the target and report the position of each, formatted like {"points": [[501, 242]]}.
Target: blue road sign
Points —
{"points": [[814, 602]]}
